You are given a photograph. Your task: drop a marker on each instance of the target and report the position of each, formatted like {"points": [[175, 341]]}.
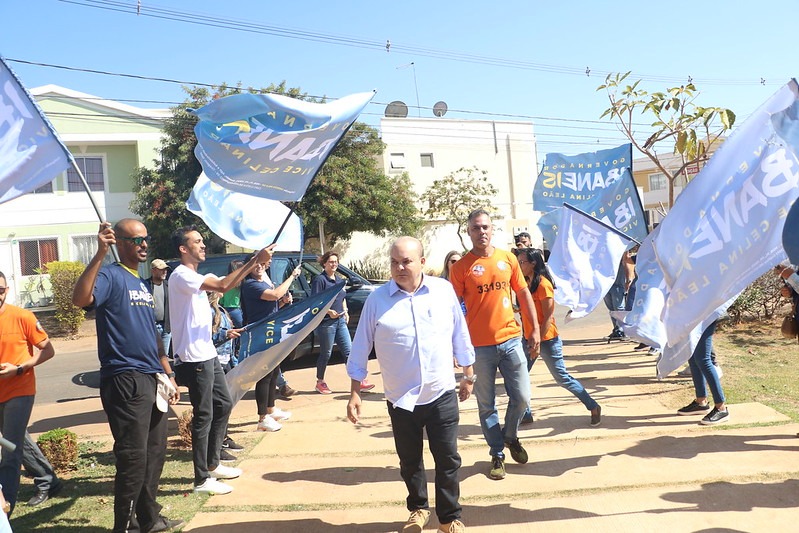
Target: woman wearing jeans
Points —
{"points": [[334, 325], [703, 371], [542, 288]]}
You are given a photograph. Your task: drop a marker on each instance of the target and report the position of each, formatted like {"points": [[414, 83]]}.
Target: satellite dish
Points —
{"points": [[396, 109], [440, 109]]}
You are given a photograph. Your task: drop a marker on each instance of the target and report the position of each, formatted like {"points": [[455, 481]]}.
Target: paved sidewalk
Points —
{"points": [[643, 469]]}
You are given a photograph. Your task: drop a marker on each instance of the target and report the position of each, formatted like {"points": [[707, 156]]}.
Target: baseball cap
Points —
{"points": [[159, 263]]}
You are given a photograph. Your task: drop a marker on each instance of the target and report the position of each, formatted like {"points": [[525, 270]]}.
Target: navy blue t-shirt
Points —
{"points": [[252, 306], [322, 283], [125, 320]]}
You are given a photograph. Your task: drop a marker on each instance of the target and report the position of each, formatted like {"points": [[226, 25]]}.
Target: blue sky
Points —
{"points": [[461, 53]]}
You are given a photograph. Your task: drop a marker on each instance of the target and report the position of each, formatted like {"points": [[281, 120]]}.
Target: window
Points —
{"points": [[657, 182], [92, 169], [427, 160], [397, 161], [84, 247], [47, 187], [35, 254]]}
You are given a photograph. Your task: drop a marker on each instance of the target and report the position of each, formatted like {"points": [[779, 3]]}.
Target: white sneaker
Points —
{"points": [[212, 486], [269, 424], [225, 472], [280, 415]]}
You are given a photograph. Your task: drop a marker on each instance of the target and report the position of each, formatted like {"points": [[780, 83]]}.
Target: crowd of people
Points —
{"points": [[156, 334]]}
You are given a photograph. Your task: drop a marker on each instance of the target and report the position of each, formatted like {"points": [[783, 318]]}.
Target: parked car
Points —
{"points": [[283, 264]]}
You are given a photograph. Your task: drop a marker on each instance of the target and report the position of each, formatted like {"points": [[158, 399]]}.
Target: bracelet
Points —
{"points": [[171, 375]]}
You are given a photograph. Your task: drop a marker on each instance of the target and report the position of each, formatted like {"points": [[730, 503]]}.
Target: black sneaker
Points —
{"points": [[715, 417], [518, 453], [165, 524], [641, 347], [693, 408], [497, 467], [230, 444], [226, 457]]}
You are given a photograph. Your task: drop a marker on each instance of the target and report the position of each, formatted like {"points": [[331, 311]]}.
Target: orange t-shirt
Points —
{"points": [[543, 292], [486, 285], [19, 332]]}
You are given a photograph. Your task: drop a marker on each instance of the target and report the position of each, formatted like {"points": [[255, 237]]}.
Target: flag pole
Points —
{"points": [[286, 221], [94, 204]]}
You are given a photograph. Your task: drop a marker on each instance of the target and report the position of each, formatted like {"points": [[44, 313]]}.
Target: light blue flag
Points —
{"points": [[31, 154], [643, 323], [575, 179], [617, 205], [790, 234], [266, 343], [247, 221], [584, 260], [271, 146], [725, 229]]}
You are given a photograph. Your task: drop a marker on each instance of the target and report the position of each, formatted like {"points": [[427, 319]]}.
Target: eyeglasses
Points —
{"points": [[138, 241], [3, 290]]}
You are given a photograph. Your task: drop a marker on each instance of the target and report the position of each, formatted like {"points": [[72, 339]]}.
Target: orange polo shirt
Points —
{"points": [[19, 332]]}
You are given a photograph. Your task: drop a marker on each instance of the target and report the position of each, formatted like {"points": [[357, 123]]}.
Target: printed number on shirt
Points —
{"points": [[496, 286]]}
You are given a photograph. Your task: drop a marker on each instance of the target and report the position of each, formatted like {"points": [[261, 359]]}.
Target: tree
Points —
{"points": [[457, 194], [677, 119], [350, 194]]}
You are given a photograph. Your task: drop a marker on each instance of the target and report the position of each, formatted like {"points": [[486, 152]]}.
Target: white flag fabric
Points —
{"points": [[726, 227], [584, 260], [31, 153]]}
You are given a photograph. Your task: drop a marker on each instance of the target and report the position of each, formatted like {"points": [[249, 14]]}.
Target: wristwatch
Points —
{"points": [[20, 370], [471, 379]]}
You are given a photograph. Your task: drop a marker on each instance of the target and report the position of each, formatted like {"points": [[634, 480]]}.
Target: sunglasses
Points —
{"points": [[138, 241], [3, 290]]}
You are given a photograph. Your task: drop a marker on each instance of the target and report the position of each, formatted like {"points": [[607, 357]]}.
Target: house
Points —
{"points": [[109, 141]]}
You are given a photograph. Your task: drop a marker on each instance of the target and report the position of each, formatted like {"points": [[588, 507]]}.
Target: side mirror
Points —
{"points": [[354, 284]]}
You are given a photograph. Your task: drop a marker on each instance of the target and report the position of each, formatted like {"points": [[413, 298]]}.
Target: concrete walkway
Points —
{"points": [[643, 469]]}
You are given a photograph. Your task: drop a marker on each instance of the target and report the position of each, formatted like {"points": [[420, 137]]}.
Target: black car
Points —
{"points": [[357, 287]]}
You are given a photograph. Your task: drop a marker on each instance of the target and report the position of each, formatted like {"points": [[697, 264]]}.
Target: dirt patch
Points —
{"points": [[53, 328]]}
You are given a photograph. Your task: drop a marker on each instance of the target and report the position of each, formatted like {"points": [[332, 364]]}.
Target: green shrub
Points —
{"points": [[60, 446], [371, 269], [63, 276], [760, 300]]}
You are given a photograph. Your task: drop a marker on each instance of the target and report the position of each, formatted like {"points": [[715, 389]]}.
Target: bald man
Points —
{"points": [[131, 355], [416, 326]]}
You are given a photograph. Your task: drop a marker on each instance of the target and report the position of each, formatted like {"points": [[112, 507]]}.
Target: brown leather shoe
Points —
{"points": [[286, 391]]}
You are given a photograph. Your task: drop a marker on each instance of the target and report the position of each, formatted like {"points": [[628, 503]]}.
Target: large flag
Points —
{"points": [[267, 342], [271, 146], [616, 205], [575, 179], [247, 221], [31, 154], [725, 230], [585, 260], [790, 234]]}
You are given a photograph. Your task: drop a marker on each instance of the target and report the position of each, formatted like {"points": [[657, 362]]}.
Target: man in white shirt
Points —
{"points": [[199, 368], [416, 326]]}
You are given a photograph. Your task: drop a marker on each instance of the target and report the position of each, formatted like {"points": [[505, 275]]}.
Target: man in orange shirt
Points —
{"points": [[485, 279], [19, 333]]}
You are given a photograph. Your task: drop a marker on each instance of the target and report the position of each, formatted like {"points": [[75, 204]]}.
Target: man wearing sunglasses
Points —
{"points": [[131, 356], [19, 333]]}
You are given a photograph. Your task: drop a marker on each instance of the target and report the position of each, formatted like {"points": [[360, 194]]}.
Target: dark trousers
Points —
{"points": [[266, 391], [211, 403], [440, 419], [139, 431], [37, 466]]}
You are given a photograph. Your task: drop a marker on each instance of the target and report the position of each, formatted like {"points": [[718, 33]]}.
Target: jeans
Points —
{"points": [[211, 406], [166, 337], [614, 301], [237, 317], [552, 354], [440, 419], [14, 416], [139, 431], [328, 331], [702, 369], [37, 466], [511, 361]]}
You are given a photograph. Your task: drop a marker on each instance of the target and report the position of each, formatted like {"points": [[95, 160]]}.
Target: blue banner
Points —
{"points": [[246, 221], [584, 261], [31, 154], [790, 234], [575, 179], [726, 227], [271, 146], [617, 205], [264, 344]]}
